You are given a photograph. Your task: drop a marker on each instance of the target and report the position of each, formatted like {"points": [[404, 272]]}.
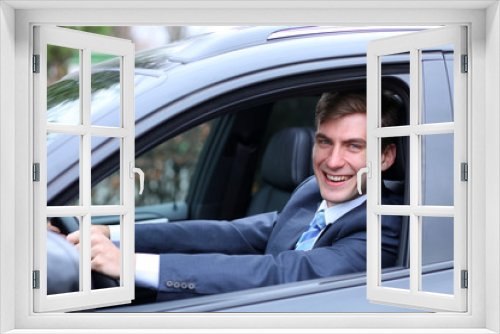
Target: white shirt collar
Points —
{"points": [[335, 212]]}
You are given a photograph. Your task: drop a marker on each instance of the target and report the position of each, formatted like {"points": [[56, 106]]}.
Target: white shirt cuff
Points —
{"points": [[147, 270], [114, 234]]}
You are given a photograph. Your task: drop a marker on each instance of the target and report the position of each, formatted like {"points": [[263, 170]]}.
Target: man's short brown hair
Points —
{"points": [[334, 105]]}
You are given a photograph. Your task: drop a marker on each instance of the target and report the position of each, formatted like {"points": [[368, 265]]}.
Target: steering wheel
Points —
{"points": [[68, 225]]}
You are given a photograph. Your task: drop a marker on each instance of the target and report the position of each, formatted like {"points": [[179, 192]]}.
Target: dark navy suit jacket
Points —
{"points": [[206, 257]]}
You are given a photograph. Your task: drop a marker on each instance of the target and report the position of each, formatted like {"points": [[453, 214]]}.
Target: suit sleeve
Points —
{"points": [[243, 236], [203, 274]]}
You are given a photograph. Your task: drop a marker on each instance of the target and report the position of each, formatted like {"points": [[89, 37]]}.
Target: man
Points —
{"points": [[207, 257]]}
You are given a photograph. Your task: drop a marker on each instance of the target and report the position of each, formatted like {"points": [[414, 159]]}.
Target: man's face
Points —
{"points": [[339, 153]]}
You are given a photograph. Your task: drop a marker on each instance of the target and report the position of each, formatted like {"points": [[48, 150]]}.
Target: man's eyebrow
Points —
{"points": [[356, 140], [320, 135]]}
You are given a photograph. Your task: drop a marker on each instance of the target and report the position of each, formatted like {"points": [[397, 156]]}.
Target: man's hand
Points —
{"points": [[102, 229], [105, 256]]}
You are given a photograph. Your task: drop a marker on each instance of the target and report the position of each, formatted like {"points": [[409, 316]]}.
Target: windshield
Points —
{"points": [[63, 97]]}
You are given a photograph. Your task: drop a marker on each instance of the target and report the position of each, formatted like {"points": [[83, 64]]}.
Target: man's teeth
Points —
{"points": [[337, 178]]}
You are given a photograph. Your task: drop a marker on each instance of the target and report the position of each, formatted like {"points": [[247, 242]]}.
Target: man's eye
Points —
{"points": [[323, 142], [355, 147]]}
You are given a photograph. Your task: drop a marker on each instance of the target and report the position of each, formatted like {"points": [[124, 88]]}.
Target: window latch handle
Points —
{"points": [[367, 170], [141, 176]]}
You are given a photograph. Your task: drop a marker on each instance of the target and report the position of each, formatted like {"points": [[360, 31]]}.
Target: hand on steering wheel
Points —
{"points": [[103, 250]]}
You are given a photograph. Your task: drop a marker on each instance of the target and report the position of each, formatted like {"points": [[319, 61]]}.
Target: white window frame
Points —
{"points": [[85, 43], [414, 44], [16, 20]]}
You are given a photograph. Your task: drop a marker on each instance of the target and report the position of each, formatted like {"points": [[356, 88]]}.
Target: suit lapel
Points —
{"points": [[288, 231], [352, 221]]}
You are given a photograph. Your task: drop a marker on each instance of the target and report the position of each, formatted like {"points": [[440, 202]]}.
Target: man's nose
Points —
{"points": [[336, 159]]}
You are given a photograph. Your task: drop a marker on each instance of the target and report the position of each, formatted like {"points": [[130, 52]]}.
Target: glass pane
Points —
{"points": [[170, 166], [63, 168], [63, 258], [437, 169], [63, 81], [100, 281], [437, 248], [394, 248], [105, 101], [393, 106], [396, 175], [437, 89], [105, 157]]}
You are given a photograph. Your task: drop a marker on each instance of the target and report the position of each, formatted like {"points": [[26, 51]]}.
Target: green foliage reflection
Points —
{"points": [[168, 169]]}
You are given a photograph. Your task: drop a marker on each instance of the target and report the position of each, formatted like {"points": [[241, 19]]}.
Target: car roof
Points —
{"points": [[213, 44]]}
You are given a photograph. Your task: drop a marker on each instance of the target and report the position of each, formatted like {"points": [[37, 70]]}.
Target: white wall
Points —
{"points": [[492, 156], [7, 158]]}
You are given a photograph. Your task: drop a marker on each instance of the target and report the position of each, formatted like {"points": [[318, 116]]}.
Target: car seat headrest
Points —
{"points": [[287, 160]]}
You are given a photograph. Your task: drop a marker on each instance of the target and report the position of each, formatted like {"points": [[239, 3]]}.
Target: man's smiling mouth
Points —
{"points": [[337, 178]]}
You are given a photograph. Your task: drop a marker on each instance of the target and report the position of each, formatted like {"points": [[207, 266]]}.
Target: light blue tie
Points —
{"points": [[308, 238]]}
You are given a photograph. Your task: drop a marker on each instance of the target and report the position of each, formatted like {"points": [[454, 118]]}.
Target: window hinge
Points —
{"points": [[36, 172], [36, 63], [465, 279], [465, 64], [36, 279], [464, 167]]}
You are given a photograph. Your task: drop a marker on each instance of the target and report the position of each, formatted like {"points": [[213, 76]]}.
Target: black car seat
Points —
{"points": [[286, 163]]}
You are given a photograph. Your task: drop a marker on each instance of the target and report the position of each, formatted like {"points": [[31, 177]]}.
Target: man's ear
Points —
{"points": [[388, 157]]}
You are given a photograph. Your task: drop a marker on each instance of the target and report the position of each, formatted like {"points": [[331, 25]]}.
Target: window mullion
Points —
{"points": [[415, 254], [85, 179]]}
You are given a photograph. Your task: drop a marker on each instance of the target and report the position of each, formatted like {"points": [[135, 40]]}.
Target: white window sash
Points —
{"points": [[86, 298], [413, 43]]}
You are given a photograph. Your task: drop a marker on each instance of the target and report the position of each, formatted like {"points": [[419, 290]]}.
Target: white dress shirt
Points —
{"points": [[335, 212], [147, 266]]}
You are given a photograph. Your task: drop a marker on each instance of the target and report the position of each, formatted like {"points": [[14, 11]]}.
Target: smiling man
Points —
{"points": [[321, 231], [340, 145]]}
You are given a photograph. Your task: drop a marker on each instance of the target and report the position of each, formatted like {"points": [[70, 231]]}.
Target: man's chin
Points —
{"points": [[335, 199]]}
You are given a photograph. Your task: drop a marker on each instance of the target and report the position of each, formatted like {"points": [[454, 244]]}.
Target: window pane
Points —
{"points": [[63, 81], [437, 248], [63, 258], [108, 193], [105, 101], [395, 177], [63, 168], [394, 249], [100, 281], [437, 169], [437, 239], [437, 92], [391, 65]]}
